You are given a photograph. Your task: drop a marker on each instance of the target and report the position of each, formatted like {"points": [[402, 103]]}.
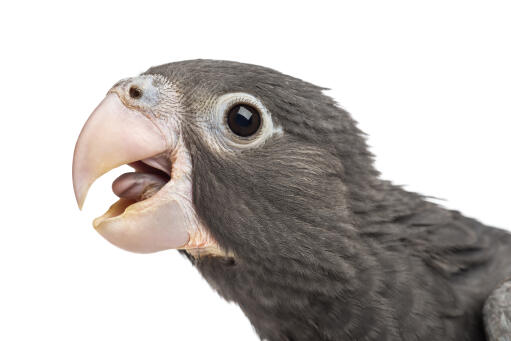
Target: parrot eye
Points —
{"points": [[243, 120], [135, 92]]}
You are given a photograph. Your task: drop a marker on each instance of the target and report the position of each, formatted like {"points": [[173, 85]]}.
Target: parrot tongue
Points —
{"points": [[138, 186], [149, 177]]}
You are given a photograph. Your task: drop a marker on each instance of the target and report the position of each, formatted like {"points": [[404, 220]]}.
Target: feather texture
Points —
{"points": [[323, 248]]}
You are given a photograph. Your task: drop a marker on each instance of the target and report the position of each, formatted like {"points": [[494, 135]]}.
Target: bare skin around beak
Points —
{"points": [[115, 135]]}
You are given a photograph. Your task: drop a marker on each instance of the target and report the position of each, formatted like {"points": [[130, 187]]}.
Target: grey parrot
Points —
{"points": [[267, 186]]}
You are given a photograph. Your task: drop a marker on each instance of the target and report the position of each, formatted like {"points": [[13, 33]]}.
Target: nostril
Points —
{"points": [[135, 92]]}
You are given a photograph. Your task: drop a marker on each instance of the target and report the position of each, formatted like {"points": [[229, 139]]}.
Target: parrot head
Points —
{"points": [[230, 160]]}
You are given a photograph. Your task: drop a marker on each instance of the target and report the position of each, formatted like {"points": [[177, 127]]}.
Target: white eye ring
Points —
{"points": [[225, 103]]}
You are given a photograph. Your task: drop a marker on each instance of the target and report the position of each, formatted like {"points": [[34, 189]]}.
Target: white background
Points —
{"points": [[430, 83]]}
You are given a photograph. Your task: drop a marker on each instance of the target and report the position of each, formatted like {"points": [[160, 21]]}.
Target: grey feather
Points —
{"points": [[325, 249], [497, 313]]}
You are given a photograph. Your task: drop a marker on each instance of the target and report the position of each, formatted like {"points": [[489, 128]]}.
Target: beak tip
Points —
{"points": [[79, 203], [80, 197]]}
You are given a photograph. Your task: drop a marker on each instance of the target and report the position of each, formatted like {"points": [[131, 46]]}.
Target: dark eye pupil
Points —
{"points": [[243, 120], [135, 92]]}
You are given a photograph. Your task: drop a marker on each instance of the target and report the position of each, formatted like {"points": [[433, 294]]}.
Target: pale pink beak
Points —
{"points": [[115, 135]]}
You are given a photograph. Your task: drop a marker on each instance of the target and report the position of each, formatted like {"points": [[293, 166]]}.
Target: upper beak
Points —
{"points": [[114, 135]]}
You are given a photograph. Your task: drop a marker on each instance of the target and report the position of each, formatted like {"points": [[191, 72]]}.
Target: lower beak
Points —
{"points": [[115, 135]]}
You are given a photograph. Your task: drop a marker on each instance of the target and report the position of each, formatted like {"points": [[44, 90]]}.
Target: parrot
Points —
{"points": [[267, 186]]}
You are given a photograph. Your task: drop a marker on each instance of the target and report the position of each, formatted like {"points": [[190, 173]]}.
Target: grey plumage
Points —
{"points": [[323, 248], [497, 313]]}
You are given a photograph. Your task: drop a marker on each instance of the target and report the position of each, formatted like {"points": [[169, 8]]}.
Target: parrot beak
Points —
{"points": [[115, 135]]}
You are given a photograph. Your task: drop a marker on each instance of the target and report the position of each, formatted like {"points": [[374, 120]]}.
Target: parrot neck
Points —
{"points": [[333, 295], [336, 289], [333, 285]]}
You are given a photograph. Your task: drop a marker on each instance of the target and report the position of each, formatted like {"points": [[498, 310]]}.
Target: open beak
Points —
{"points": [[115, 135]]}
